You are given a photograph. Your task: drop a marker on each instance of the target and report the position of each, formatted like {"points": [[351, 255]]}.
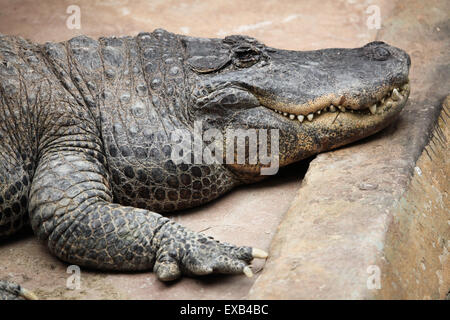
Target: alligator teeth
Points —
{"points": [[388, 100], [396, 95]]}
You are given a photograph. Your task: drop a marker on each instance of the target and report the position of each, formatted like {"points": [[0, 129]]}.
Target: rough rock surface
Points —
{"points": [[417, 261], [357, 215]]}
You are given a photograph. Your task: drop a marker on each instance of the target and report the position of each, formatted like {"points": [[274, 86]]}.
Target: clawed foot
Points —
{"points": [[186, 252], [13, 291]]}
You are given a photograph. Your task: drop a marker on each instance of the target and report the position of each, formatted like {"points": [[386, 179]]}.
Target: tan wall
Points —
{"points": [[417, 258]]}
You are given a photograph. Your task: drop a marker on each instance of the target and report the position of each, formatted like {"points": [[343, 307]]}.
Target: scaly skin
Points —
{"points": [[85, 132]]}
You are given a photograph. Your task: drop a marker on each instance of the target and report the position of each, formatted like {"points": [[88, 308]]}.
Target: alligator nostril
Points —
{"points": [[380, 53]]}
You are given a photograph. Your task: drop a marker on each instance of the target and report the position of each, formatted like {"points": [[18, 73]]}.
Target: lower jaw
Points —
{"points": [[396, 98], [385, 112]]}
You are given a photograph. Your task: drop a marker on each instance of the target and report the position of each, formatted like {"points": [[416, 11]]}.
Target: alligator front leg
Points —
{"points": [[71, 208]]}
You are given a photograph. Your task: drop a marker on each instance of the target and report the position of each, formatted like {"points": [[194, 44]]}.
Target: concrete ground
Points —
{"points": [[325, 233]]}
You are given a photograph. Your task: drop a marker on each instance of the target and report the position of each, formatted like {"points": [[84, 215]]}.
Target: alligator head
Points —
{"points": [[319, 100]]}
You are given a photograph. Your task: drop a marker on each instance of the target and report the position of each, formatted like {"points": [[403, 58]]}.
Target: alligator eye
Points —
{"points": [[381, 53], [245, 55]]}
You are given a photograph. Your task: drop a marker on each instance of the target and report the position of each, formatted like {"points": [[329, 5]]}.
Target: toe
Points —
{"points": [[242, 253], [198, 266], [225, 264], [167, 269]]}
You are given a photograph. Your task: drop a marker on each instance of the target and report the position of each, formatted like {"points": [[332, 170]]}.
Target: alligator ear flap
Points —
{"points": [[205, 55], [207, 64]]}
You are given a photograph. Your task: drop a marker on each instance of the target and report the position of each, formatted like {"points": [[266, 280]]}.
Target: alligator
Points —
{"points": [[86, 146]]}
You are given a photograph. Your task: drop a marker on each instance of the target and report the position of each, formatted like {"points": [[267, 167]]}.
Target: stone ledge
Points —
{"points": [[416, 261], [357, 214]]}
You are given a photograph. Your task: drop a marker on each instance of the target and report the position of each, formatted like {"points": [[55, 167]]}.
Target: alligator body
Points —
{"points": [[87, 157]]}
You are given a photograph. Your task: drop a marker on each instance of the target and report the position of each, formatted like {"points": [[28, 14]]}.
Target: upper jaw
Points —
{"points": [[391, 97]]}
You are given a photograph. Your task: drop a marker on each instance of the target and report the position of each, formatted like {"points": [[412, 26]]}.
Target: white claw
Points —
{"points": [[291, 116], [310, 116], [300, 118], [373, 109], [342, 108], [28, 294], [396, 95], [248, 272], [258, 253], [332, 108]]}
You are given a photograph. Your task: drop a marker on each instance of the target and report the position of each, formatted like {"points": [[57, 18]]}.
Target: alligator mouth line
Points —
{"points": [[391, 99]]}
